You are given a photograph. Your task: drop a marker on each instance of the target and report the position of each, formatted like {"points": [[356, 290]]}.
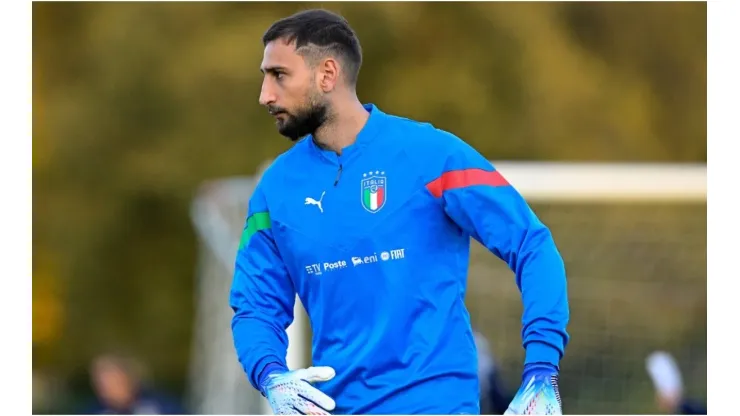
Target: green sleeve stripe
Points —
{"points": [[256, 222]]}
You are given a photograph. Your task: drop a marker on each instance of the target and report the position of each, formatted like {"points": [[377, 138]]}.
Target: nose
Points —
{"points": [[267, 96]]}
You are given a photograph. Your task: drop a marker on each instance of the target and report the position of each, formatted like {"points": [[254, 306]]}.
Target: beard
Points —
{"points": [[303, 121]]}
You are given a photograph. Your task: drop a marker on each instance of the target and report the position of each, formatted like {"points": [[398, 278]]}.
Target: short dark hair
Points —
{"points": [[320, 33]]}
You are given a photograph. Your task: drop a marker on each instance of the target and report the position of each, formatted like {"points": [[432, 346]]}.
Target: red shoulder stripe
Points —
{"points": [[465, 177]]}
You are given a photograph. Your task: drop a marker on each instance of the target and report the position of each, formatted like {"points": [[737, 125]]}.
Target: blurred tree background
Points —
{"points": [[136, 104]]}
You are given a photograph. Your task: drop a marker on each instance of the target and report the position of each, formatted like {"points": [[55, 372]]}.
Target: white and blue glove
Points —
{"points": [[291, 392], [539, 393]]}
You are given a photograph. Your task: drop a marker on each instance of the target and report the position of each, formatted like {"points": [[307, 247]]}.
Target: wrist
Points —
{"points": [[269, 369], [539, 367]]}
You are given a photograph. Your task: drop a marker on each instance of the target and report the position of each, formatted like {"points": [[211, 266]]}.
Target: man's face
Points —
{"points": [[290, 91]]}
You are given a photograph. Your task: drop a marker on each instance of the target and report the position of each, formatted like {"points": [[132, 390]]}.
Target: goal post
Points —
{"points": [[601, 182], [633, 237], [218, 384]]}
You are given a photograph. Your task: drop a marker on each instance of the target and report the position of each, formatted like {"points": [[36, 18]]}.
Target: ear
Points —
{"points": [[328, 74]]}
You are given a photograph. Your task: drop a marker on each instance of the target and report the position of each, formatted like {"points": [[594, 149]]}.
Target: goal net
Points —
{"points": [[633, 238]]}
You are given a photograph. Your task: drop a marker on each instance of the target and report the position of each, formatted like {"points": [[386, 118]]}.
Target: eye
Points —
{"points": [[279, 75]]}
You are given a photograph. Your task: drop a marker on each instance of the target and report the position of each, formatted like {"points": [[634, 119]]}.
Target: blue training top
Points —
{"points": [[376, 244]]}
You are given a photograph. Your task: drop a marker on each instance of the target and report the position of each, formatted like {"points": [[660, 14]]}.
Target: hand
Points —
{"points": [[539, 393], [290, 392]]}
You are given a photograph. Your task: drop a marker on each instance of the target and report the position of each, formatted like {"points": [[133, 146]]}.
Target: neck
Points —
{"points": [[346, 120]]}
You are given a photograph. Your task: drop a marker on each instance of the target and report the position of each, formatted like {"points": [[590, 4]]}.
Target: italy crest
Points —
{"points": [[374, 187]]}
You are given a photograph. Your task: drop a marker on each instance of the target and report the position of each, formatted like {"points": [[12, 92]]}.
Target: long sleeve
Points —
{"points": [[484, 205], [262, 295]]}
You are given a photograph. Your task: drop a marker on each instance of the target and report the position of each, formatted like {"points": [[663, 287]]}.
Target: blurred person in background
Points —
{"points": [[119, 389], [668, 383], [494, 395]]}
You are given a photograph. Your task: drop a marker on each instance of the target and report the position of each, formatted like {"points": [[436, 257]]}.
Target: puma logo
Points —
{"points": [[311, 201]]}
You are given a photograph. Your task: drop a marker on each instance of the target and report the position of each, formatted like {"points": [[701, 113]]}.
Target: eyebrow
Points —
{"points": [[272, 69]]}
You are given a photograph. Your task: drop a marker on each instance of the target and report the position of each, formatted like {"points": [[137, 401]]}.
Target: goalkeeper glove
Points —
{"points": [[539, 393], [291, 392]]}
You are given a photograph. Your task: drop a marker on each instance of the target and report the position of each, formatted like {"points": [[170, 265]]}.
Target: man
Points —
{"points": [[668, 382], [494, 396], [119, 390], [368, 218]]}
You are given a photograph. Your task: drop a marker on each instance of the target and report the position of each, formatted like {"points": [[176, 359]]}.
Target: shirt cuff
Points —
{"points": [[538, 352]]}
